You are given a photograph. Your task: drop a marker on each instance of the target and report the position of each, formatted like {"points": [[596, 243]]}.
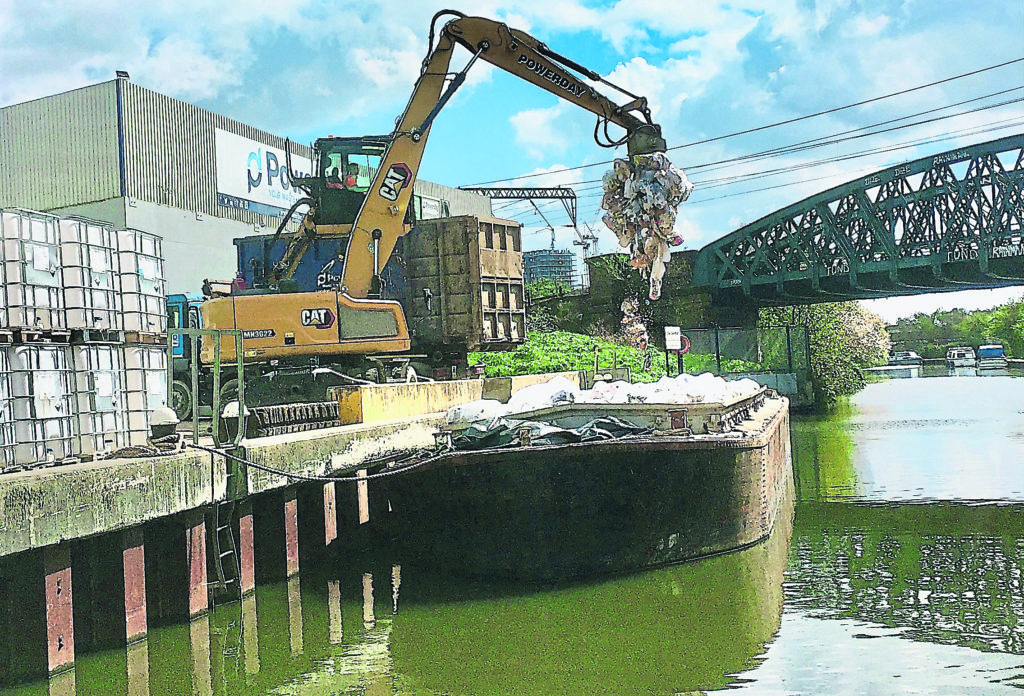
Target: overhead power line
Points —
{"points": [[845, 175], [596, 191], [775, 124], [832, 139]]}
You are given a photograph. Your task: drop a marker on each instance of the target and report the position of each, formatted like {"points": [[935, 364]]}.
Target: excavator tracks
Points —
{"points": [[265, 421]]}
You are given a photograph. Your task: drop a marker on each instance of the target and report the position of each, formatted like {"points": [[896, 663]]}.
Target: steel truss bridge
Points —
{"points": [[951, 221]]}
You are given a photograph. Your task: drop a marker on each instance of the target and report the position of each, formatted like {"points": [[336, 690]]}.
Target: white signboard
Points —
{"points": [[672, 338], [253, 176]]}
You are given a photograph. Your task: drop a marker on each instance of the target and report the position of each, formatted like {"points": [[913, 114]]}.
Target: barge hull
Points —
{"points": [[558, 512]]}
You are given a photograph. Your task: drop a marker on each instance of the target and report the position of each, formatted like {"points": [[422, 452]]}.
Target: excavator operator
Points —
{"points": [[334, 181], [350, 176]]}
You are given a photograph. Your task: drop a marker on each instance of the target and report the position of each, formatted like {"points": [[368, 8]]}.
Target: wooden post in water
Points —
{"points": [[363, 496], [330, 513], [60, 632], [133, 555], [195, 544], [291, 531], [246, 548]]}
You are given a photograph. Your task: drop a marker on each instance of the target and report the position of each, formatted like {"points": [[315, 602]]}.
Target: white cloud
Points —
{"points": [[537, 130], [181, 67], [387, 67], [870, 27]]}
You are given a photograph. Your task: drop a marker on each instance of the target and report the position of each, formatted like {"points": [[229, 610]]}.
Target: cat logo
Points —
{"points": [[398, 177], [318, 318]]}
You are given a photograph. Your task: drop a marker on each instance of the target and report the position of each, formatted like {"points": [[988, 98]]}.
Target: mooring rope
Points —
{"points": [[308, 477]]}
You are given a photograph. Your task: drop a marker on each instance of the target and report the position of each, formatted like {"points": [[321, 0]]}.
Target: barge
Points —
{"points": [[690, 481]]}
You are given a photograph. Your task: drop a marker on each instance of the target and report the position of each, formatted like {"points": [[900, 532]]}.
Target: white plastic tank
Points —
{"points": [[42, 403], [145, 369], [143, 283], [31, 259], [101, 404], [90, 274], [6, 416]]}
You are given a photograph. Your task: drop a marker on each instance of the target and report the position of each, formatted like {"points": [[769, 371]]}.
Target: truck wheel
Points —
{"points": [[228, 393], [181, 400]]}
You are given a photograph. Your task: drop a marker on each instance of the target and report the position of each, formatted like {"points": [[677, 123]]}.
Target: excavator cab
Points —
{"points": [[345, 167]]}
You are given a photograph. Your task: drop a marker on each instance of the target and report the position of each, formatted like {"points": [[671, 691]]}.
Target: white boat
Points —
{"points": [[991, 357], [962, 356]]}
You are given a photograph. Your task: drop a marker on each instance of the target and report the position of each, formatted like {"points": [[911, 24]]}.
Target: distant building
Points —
{"points": [[132, 157], [558, 265]]}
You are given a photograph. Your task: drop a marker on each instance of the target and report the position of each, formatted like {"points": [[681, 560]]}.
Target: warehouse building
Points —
{"points": [[127, 155]]}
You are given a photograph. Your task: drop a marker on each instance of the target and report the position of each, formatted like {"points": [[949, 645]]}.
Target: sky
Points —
{"points": [[305, 69]]}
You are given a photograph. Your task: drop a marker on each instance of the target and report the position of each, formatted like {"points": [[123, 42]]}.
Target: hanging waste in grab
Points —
{"points": [[641, 195]]}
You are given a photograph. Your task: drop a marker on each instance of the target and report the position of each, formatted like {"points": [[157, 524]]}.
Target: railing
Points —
{"points": [[174, 338], [771, 349]]}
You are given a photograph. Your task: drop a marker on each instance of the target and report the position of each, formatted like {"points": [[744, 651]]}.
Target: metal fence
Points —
{"points": [[771, 349]]}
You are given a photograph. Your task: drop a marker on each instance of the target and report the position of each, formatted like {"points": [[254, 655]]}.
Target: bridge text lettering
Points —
{"points": [[1005, 251], [961, 254], [951, 157], [837, 267]]}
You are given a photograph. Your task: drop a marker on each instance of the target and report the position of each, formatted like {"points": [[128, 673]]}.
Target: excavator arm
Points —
{"points": [[379, 223]]}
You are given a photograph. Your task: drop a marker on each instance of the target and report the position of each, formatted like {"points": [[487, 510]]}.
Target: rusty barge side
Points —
{"points": [[559, 512]]}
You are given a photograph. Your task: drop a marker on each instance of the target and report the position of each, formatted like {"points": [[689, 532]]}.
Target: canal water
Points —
{"points": [[899, 571]]}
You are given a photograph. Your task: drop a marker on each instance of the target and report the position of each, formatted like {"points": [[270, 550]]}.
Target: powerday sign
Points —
{"points": [[253, 176]]}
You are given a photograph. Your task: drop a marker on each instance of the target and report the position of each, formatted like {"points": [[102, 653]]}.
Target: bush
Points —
{"points": [[562, 351]]}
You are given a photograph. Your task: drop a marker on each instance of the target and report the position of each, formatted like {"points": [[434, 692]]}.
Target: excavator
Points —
{"points": [[361, 187]]}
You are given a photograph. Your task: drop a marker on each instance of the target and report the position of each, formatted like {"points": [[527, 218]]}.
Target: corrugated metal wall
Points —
{"points": [[459, 202], [171, 157], [60, 150]]}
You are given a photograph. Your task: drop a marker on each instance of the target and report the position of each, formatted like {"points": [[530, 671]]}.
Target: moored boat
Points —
{"points": [[991, 357], [960, 356], [686, 481]]}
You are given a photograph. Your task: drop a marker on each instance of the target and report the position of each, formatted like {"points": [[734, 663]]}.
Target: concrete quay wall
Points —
{"points": [[42, 507], [48, 506], [160, 538]]}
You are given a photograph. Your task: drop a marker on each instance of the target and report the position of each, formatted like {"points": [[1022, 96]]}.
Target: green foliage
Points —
{"points": [[931, 335], [546, 287], [844, 339], [561, 351]]}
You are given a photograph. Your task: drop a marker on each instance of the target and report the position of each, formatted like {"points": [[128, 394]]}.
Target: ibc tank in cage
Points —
{"points": [[101, 405], [41, 394], [6, 416], [31, 258], [90, 275], [143, 284], [145, 369]]}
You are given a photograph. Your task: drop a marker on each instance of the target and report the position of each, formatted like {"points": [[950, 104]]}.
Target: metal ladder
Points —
{"points": [[228, 585], [225, 552]]}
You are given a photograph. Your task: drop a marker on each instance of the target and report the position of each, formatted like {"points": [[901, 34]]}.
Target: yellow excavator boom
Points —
{"points": [[379, 222]]}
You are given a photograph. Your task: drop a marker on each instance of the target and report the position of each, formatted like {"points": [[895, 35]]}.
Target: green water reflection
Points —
{"points": [[901, 571]]}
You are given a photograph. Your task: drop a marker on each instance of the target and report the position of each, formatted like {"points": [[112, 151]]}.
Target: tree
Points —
{"points": [[844, 339]]}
